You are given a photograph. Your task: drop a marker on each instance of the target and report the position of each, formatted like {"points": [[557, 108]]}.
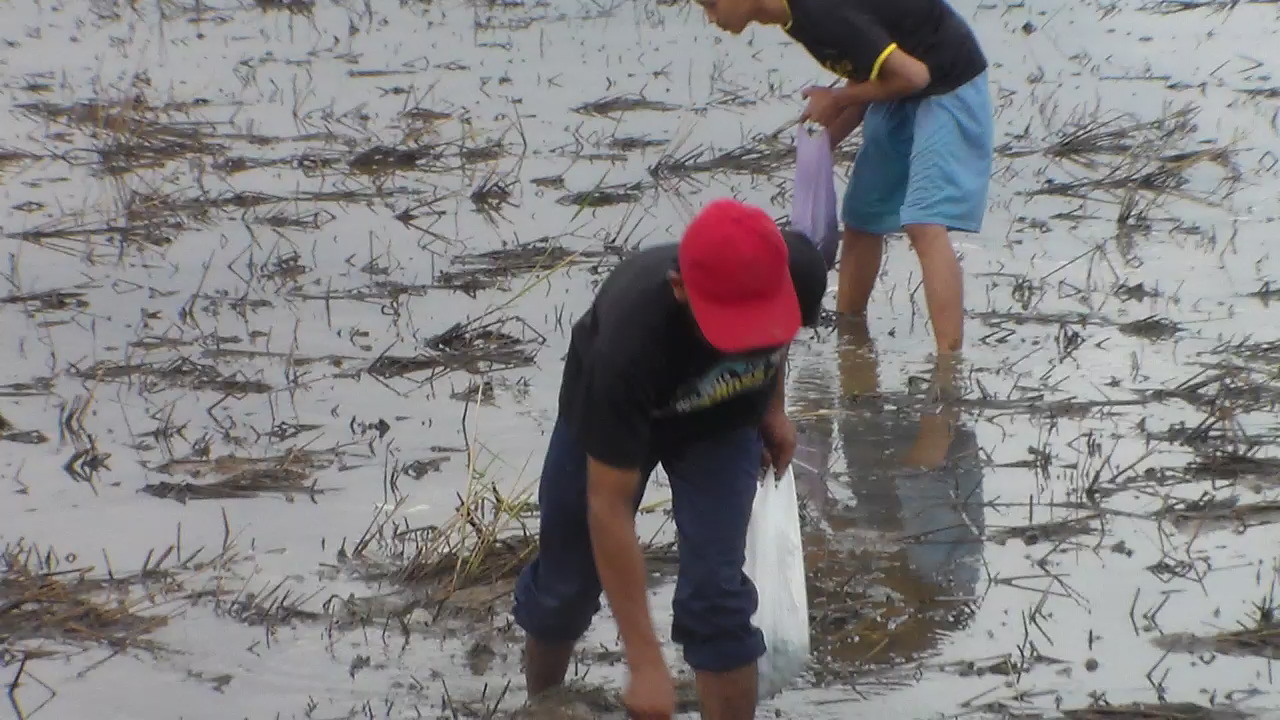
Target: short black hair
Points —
{"points": [[808, 274]]}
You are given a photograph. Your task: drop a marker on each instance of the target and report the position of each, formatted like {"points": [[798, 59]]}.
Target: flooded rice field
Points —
{"points": [[286, 290]]}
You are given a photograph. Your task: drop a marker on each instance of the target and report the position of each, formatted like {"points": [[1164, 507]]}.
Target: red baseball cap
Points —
{"points": [[737, 276]]}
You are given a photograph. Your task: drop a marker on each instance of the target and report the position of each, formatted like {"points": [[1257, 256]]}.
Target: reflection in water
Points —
{"points": [[895, 564]]}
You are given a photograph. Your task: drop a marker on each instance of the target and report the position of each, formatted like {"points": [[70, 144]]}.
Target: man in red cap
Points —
{"points": [[681, 361]]}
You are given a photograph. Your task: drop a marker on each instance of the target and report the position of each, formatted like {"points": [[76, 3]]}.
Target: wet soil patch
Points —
{"points": [[1155, 711], [463, 570], [475, 346], [496, 268], [68, 607], [288, 475]]}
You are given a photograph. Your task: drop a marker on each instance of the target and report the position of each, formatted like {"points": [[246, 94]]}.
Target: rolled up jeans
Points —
{"points": [[713, 484]]}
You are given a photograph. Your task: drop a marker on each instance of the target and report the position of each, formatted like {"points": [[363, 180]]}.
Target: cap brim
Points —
{"points": [[741, 327]]}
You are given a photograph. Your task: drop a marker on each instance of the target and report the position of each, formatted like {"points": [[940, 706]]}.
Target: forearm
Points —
{"points": [[778, 402], [873, 91], [849, 121], [880, 90], [620, 563]]}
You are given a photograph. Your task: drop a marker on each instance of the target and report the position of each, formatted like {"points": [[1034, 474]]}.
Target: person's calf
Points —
{"points": [[857, 362], [860, 256], [723, 651], [545, 664], [943, 284], [728, 695]]}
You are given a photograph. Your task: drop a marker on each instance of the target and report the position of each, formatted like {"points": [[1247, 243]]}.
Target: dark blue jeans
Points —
{"points": [[713, 484]]}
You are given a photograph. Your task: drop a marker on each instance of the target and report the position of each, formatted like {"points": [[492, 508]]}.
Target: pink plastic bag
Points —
{"points": [[813, 199]]}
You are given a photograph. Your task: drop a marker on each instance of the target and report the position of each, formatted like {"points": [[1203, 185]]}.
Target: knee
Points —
{"points": [[928, 238], [557, 610], [853, 236], [855, 240], [713, 620]]}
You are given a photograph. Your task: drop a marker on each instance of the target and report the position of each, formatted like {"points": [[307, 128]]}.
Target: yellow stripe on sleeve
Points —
{"points": [[875, 69]]}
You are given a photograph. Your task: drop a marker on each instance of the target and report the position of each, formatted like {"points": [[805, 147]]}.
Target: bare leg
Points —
{"points": [[728, 695], [859, 368], [943, 284], [545, 665], [860, 254]]}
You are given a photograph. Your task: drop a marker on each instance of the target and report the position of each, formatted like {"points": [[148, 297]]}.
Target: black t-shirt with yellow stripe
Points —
{"points": [[640, 381], [852, 38]]}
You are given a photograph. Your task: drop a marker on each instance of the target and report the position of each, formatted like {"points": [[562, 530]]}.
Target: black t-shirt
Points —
{"points": [[639, 379], [851, 37]]}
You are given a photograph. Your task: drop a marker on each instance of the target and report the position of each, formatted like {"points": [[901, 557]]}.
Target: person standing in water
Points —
{"points": [[680, 360], [916, 82]]}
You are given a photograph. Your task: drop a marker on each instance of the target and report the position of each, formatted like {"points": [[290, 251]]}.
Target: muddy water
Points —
{"points": [[289, 98]]}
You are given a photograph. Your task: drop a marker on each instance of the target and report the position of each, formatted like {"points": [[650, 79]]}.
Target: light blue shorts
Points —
{"points": [[924, 161]]}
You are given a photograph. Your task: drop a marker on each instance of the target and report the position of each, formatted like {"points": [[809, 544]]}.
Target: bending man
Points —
{"points": [[680, 360]]}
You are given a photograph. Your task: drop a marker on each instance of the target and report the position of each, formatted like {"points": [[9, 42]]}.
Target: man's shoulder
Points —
{"points": [[636, 296], [810, 14], [820, 13], [826, 9], [648, 262]]}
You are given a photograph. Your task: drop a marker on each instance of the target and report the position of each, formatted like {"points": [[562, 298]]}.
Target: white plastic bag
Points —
{"points": [[813, 199], [775, 563]]}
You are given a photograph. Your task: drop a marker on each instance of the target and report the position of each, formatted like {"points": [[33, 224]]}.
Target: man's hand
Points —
{"points": [[824, 106], [779, 435], [650, 693]]}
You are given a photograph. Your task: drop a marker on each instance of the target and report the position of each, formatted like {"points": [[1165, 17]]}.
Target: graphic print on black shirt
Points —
{"points": [[639, 378], [852, 38], [725, 380]]}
